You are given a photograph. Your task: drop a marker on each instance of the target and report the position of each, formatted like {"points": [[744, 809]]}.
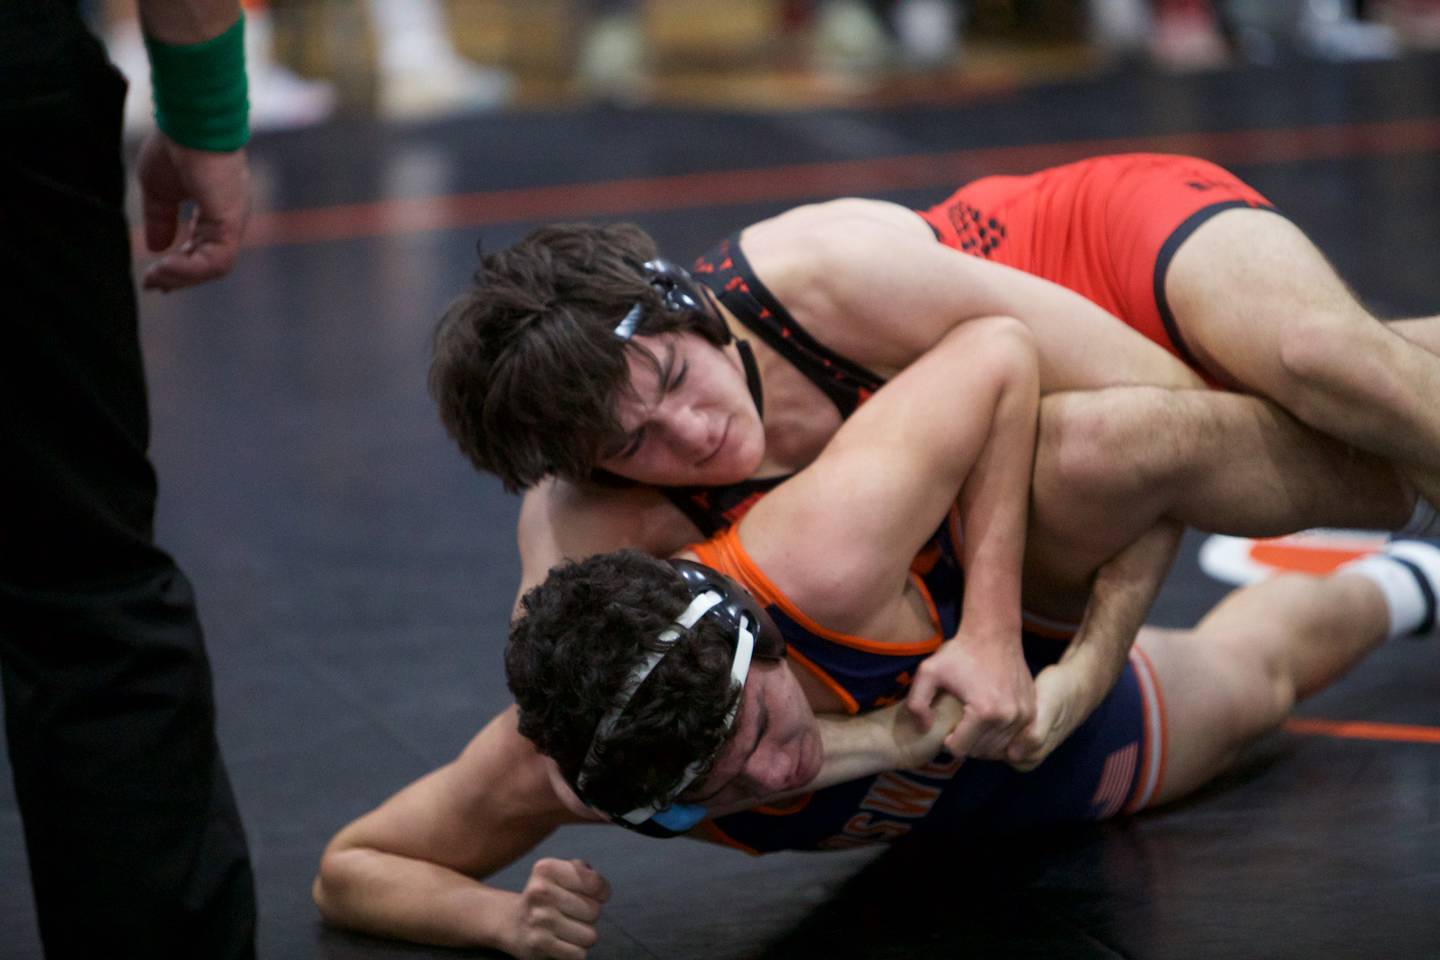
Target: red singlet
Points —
{"points": [[1106, 228]]}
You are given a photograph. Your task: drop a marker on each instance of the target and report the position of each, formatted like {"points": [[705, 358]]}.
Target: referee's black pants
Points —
{"points": [[135, 844]]}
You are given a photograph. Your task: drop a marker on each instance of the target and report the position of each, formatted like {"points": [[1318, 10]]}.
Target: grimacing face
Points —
{"points": [[774, 746], [691, 421]]}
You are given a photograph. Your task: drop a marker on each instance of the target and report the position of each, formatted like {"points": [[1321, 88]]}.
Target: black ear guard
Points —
{"points": [[679, 293], [737, 605]]}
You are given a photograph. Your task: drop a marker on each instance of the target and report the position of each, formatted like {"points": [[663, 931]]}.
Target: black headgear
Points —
{"points": [[712, 594], [680, 293]]}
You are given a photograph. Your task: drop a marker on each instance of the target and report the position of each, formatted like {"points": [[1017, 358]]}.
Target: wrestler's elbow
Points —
{"points": [[1009, 355], [329, 886], [1008, 349], [337, 869], [340, 878], [1004, 333]]}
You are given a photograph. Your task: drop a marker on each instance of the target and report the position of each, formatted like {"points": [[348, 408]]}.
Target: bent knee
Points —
{"points": [[1104, 443], [1321, 347]]}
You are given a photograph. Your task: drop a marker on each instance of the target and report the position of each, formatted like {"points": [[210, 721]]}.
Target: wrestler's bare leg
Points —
{"points": [[1238, 673], [1256, 302], [1110, 463]]}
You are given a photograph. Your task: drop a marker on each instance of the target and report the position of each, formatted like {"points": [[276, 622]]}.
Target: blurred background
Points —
{"points": [[355, 575], [312, 60]]}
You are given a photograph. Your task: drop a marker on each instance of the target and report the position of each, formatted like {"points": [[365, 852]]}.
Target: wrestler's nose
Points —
{"points": [[687, 432], [768, 771]]}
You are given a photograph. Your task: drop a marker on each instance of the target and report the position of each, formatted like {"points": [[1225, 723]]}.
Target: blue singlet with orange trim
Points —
{"points": [[1112, 762]]}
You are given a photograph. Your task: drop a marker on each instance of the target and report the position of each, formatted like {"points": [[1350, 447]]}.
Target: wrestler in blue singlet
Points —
{"points": [[1110, 763]]}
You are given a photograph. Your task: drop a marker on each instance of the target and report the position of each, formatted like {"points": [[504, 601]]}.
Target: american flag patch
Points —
{"points": [[1115, 781]]}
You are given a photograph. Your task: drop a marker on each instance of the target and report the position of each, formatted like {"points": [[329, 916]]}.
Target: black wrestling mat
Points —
{"points": [[355, 575]]}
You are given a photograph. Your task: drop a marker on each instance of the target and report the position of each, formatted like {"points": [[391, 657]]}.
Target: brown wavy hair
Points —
{"points": [[527, 370]]}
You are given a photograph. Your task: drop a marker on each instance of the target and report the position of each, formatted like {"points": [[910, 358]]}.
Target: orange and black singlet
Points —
{"points": [[729, 276], [1106, 228]]}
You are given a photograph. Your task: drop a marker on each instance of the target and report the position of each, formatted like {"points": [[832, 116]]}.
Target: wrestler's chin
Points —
{"points": [[745, 446]]}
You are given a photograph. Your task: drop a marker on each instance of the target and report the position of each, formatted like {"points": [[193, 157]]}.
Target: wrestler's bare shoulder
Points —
{"points": [[565, 520], [501, 764], [796, 232], [845, 272]]}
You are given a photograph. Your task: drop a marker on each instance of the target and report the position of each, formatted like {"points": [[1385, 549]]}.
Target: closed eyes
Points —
{"points": [[762, 724], [668, 384]]}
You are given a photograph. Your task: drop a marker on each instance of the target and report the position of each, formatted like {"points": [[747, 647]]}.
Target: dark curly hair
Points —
{"points": [[579, 636], [527, 370]]}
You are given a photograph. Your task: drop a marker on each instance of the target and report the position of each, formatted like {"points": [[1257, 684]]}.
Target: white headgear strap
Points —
{"points": [[625, 329], [739, 670]]}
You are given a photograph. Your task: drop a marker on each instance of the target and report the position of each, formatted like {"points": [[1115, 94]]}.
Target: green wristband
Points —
{"points": [[200, 91]]}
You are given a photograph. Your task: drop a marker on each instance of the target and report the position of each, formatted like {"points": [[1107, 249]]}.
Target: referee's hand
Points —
{"points": [[217, 188]]}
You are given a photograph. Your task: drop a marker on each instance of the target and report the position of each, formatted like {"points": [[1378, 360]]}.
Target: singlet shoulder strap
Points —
{"points": [[728, 274], [725, 553], [713, 509]]}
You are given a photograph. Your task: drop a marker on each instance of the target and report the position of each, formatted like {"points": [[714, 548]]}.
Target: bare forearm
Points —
{"points": [[886, 739], [860, 746], [993, 510], [187, 21], [1121, 597], [982, 664], [387, 895]]}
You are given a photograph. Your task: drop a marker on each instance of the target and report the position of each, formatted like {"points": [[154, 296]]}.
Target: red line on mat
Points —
{"points": [[1359, 730], [815, 180]]}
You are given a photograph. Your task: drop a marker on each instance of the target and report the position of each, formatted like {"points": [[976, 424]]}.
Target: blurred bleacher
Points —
{"points": [[411, 59]]}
